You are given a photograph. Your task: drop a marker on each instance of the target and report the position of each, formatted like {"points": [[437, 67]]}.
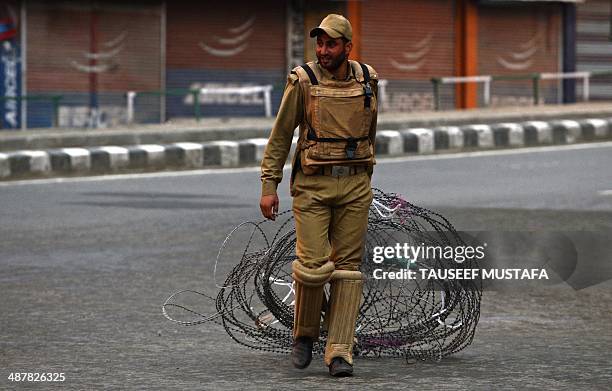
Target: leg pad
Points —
{"points": [[308, 284], [345, 299]]}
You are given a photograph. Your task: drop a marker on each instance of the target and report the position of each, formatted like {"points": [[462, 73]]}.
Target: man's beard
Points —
{"points": [[335, 62]]}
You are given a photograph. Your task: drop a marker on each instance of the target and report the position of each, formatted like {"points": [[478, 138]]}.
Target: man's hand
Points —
{"points": [[269, 206]]}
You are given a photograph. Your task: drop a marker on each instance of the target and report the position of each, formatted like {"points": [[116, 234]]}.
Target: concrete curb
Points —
{"points": [[240, 128], [5, 168], [191, 155]]}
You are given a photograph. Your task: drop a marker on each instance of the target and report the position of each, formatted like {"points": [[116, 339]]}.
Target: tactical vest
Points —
{"points": [[337, 118]]}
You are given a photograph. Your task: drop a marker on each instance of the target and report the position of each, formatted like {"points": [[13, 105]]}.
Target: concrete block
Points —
{"points": [[609, 121], [156, 154], [190, 155], [147, 156], [259, 145], [594, 128], [228, 153], [29, 162], [441, 139], [19, 163], [389, 142], [410, 142], [5, 167], [60, 161], [70, 159], [212, 154], [455, 136], [39, 162], [537, 132], [447, 137], [175, 156], [246, 152], [478, 135], [109, 158], [566, 131], [425, 139], [508, 134]]}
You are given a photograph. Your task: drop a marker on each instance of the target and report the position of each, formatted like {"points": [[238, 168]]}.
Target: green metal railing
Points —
{"points": [[535, 79], [535, 83], [195, 93]]}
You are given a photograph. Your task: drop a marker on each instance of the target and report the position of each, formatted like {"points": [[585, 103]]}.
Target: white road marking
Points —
{"points": [[503, 152], [162, 174], [382, 160], [605, 192]]}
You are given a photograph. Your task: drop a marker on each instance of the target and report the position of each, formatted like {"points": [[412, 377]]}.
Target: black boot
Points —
{"points": [[301, 355], [339, 367]]}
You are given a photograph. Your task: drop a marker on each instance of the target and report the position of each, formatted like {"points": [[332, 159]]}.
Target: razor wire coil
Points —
{"points": [[412, 319]]}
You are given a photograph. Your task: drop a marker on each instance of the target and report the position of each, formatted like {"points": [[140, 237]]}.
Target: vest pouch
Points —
{"points": [[339, 112], [311, 166], [324, 151]]}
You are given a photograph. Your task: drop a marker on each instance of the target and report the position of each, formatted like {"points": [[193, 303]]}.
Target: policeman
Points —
{"points": [[333, 101]]}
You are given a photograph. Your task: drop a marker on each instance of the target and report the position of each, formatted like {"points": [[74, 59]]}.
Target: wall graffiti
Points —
{"points": [[503, 100], [11, 85], [80, 117], [226, 99], [415, 58], [524, 58], [234, 43], [408, 101], [104, 60], [10, 68]]}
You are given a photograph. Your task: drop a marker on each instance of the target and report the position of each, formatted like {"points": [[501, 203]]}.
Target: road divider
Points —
{"points": [[192, 155]]}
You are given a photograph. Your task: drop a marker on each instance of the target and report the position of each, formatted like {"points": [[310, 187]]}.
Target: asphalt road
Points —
{"points": [[85, 265]]}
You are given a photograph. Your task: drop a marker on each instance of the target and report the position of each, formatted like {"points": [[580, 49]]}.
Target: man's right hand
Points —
{"points": [[269, 206]]}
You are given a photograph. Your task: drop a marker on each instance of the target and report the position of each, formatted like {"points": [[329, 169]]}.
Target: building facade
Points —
{"points": [[74, 62]]}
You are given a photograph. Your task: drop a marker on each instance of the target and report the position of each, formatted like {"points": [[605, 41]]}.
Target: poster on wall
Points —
{"points": [[10, 67]]}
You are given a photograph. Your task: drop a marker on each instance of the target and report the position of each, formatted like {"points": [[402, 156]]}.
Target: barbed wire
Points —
{"points": [[425, 319]]}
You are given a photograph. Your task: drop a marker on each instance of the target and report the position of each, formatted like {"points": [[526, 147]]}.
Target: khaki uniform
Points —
{"points": [[291, 115], [331, 192]]}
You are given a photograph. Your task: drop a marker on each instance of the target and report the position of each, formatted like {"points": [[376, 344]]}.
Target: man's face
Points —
{"points": [[332, 52]]}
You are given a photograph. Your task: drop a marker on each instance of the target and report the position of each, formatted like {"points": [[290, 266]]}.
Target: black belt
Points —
{"points": [[351, 142]]}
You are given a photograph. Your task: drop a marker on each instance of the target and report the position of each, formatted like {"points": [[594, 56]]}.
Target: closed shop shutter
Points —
{"points": [[125, 42], [519, 40], [408, 42], [225, 44], [594, 45]]}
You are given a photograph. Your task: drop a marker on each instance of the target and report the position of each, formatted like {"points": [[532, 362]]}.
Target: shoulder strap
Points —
{"points": [[311, 75], [366, 85], [366, 72]]}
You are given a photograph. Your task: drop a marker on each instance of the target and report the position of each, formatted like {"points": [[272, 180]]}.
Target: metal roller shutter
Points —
{"points": [[63, 38], [518, 40], [594, 45], [408, 42], [225, 44]]}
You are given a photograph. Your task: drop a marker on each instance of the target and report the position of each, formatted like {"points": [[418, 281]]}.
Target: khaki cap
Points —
{"points": [[335, 26]]}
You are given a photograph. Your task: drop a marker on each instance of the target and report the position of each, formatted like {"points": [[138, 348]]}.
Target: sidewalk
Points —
{"points": [[241, 141]]}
